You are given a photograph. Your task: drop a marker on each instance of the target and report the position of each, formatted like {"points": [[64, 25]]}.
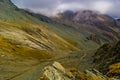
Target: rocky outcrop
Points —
{"points": [[94, 37], [58, 72]]}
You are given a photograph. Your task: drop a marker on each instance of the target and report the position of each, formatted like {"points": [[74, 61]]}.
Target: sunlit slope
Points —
{"points": [[11, 14], [82, 35]]}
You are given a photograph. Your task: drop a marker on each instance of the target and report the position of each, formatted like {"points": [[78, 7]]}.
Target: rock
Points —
{"points": [[55, 72], [58, 66]]}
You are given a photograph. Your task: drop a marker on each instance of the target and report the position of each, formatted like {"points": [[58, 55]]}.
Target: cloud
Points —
{"points": [[102, 6], [51, 7], [63, 7]]}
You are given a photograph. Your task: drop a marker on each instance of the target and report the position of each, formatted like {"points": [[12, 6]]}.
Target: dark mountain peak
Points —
{"points": [[68, 14]]}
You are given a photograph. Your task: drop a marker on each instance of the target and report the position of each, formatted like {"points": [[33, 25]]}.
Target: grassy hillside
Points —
{"points": [[25, 41]]}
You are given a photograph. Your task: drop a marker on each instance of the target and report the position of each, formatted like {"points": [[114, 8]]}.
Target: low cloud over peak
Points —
{"points": [[51, 7]]}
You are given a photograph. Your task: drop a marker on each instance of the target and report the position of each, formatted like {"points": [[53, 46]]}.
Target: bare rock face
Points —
{"points": [[55, 72], [52, 74]]}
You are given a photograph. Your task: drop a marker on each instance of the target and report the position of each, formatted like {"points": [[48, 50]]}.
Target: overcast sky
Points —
{"points": [[51, 7]]}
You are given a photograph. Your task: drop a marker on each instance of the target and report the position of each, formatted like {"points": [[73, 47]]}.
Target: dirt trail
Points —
{"points": [[31, 74]]}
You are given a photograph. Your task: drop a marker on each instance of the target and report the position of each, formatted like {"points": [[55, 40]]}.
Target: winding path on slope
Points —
{"points": [[31, 74], [34, 72]]}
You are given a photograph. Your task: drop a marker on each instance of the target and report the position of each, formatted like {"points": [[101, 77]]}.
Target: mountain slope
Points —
{"points": [[67, 32], [108, 56], [25, 41]]}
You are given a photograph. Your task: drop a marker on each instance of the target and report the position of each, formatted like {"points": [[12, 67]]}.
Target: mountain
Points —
{"points": [[68, 29], [67, 26], [103, 26], [88, 17]]}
